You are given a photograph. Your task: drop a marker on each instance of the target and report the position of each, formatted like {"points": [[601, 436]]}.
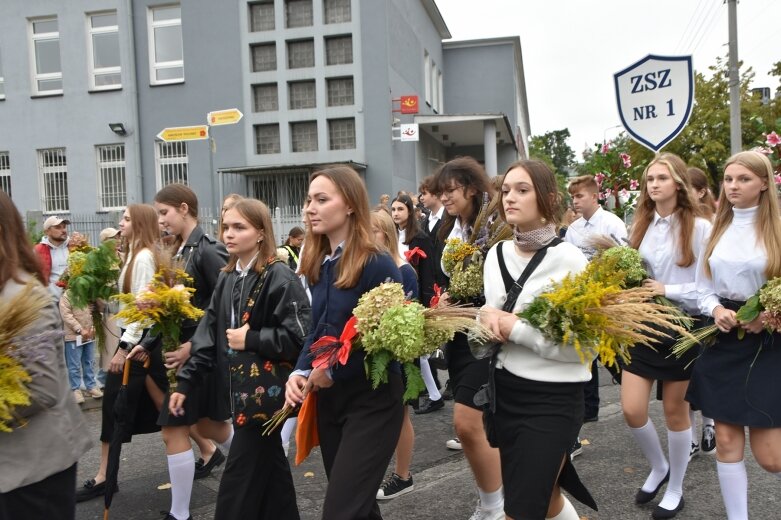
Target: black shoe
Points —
{"points": [[708, 439], [576, 449], [591, 418], [91, 490], [447, 393], [643, 497], [660, 512], [395, 486], [429, 406], [203, 470], [169, 516]]}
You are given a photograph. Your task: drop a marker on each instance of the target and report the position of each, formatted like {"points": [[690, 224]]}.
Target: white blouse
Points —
{"points": [[737, 264], [660, 251], [143, 272]]}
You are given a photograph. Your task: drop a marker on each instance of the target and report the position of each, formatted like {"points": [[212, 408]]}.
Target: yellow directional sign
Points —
{"points": [[224, 117], [184, 133]]}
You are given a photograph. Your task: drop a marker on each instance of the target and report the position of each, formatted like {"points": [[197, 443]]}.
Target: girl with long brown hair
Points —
{"points": [[358, 425], [735, 380], [670, 237], [702, 193]]}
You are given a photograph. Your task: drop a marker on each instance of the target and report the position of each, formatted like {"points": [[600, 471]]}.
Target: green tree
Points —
{"points": [[552, 148]]}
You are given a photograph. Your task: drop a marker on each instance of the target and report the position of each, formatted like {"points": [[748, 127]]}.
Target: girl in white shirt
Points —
{"points": [[538, 383], [670, 237], [736, 381]]}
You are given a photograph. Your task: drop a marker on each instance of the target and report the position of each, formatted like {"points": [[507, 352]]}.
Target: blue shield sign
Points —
{"points": [[655, 98]]}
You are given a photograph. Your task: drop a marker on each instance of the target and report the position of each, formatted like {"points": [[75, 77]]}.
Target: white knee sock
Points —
{"points": [[707, 421], [648, 440], [493, 500], [693, 421], [678, 446], [428, 379], [288, 428], [567, 512], [181, 469], [734, 489], [226, 445]]}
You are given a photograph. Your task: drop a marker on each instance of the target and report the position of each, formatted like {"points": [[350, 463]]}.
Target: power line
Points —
{"points": [[707, 31], [688, 25], [702, 29]]}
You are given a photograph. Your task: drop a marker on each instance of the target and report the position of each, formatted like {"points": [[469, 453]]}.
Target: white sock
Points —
{"points": [[428, 379], [693, 421], [648, 440], [225, 446], [567, 512], [288, 428], [678, 446], [707, 421], [491, 501], [181, 469], [734, 489]]}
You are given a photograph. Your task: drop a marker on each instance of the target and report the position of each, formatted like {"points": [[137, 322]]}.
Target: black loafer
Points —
{"points": [[91, 490], [660, 512], [204, 470], [643, 497], [431, 406]]}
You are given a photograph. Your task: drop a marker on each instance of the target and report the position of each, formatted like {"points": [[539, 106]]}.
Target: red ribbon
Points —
{"points": [[414, 254], [435, 299], [343, 344]]}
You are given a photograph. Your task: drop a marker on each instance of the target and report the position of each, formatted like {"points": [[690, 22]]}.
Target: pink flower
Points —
{"points": [[606, 147], [602, 196], [624, 193], [762, 149], [773, 139], [777, 178], [633, 184], [598, 178], [626, 159], [607, 193]]}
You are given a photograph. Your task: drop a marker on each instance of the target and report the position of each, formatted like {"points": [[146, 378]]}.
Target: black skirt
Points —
{"points": [[536, 424], [467, 373], [209, 399], [737, 381], [659, 363]]}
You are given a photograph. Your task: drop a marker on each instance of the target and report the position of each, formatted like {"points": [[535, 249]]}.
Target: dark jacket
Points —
{"points": [[332, 307], [439, 245], [279, 322], [425, 267]]}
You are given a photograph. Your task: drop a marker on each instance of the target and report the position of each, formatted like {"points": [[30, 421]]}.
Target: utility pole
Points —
{"points": [[736, 143]]}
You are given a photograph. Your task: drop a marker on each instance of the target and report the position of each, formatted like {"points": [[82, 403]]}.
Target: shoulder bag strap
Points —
{"points": [[514, 290]]}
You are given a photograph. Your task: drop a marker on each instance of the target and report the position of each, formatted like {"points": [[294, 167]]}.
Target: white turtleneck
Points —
{"points": [[737, 264]]}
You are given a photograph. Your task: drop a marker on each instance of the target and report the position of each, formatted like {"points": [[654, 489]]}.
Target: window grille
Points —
{"points": [[301, 94], [298, 13], [112, 186], [300, 54], [267, 139], [265, 97], [5, 173], [264, 57], [53, 177], [337, 11], [172, 163], [340, 92], [261, 16], [339, 50], [304, 136], [341, 134], [284, 190]]}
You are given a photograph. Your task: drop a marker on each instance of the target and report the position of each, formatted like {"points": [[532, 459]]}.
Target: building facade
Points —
{"points": [[86, 89]]}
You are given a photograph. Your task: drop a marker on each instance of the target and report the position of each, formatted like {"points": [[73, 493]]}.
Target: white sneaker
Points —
{"points": [[95, 393], [78, 396], [487, 514], [453, 444]]}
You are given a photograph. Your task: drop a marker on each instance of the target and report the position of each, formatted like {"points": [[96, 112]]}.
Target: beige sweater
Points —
{"points": [[73, 318]]}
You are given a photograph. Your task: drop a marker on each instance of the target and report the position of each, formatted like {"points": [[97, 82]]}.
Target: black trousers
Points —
{"points": [[53, 498], [257, 483], [591, 392], [358, 428]]}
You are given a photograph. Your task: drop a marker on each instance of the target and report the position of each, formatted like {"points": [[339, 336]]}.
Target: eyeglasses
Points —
{"points": [[448, 192]]}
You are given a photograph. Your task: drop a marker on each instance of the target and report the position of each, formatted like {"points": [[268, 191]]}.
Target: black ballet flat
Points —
{"points": [[660, 512], [643, 497]]}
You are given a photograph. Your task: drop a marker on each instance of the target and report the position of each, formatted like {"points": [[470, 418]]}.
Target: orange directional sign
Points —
{"points": [[224, 117], [184, 133]]}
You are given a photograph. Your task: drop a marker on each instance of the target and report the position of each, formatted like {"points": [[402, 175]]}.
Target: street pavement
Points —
{"points": [[611, 466]]}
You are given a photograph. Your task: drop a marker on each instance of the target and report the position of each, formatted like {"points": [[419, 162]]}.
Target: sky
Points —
{"points": [[572, 48]]}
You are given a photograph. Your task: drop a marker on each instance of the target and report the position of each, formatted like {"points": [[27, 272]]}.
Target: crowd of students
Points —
{"points": [[706, 258]]}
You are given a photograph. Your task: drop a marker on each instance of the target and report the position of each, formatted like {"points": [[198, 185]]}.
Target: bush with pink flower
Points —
{"points": [[611, 166]]}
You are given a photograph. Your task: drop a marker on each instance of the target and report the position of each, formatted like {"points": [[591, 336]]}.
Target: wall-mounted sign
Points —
{"points": [[409, 132], [409, 104]]}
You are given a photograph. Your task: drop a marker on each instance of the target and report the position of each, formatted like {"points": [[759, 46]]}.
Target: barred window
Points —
{"points": [[281, 189], [340, 92], [112, 186], [267, 139], [339, 50], [337, 11], [301, 94], [341, 134], [5, 173], [264, 57], [261, 16], [298, 13], [53, 177], [265, 97], [172, 163], [300, 54], [304, 136]]}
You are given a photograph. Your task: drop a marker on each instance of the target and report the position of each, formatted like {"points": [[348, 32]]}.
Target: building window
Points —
{"points": [[5, 173], [340, 92], [166, 53], [439, 92], [47, 70], [261, 16], [264, 57], [337, 11], [339, 50], [103, 48], [298, 13], [53, 176], [427, 76], [171, 163], [303, 136], [434, 91], [265, 97], [301, 94], [2, 79], [266, 139], [300, 54], [112, 188], [341, 134], [281, 189]]}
